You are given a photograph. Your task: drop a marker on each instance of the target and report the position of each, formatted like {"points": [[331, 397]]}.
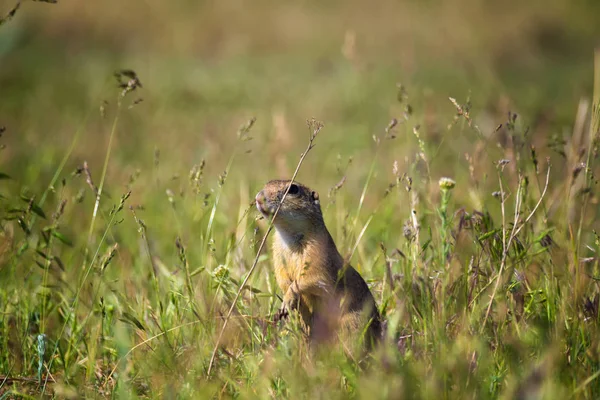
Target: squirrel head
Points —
{"points": [[299, 213]]}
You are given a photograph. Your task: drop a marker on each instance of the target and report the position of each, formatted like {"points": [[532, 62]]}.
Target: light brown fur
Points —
{"points": [[329, 294]]}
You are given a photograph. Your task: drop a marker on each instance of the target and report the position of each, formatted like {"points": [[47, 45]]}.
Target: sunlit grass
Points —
{"points": [[128, 226], [478, 302]]}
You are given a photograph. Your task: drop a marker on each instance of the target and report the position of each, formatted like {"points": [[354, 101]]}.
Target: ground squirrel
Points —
{"points": [[329, 294]]}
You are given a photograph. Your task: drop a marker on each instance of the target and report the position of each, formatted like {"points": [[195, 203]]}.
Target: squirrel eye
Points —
{"points": [[294, 189]]}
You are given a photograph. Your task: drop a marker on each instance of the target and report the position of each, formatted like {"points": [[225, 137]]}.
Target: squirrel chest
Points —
{"points": [[298, 259]]}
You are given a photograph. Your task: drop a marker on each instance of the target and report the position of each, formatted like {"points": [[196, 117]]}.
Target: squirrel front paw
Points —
{"points": [[291, 302], [282, 314], [291, 299]]}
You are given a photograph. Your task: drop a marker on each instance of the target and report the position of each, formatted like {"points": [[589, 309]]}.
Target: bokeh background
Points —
{"points": [[208, 66]]}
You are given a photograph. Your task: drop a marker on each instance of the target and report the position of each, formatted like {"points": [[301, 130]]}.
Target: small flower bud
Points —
{"points": [[447, 183]]}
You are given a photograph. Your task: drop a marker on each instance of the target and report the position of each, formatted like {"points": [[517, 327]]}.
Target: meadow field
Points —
{"points": [[457, 166]]}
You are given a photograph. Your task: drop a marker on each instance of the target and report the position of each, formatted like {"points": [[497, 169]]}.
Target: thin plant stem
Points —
{"points": [[309, 147]]}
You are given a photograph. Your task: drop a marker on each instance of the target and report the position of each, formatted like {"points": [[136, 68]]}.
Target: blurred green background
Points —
{"points": [[208, 66]]}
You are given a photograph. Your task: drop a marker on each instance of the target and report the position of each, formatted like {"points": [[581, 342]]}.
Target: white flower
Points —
{"points": [[447, 183]]}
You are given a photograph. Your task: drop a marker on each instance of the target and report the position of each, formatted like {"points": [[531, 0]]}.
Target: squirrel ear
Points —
{"points": [[315, 197]]}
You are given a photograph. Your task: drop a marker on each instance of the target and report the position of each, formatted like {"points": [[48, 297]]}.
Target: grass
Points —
{"points": [[130, 249]]}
